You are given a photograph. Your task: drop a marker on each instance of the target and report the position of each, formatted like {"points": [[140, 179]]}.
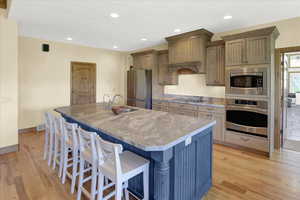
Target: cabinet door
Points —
{"points": [[197, 50], [164, 76], [137, 61], [235, 52], [147, 61], [215, 65], [258, 50], [219, 128], [178, 51]]}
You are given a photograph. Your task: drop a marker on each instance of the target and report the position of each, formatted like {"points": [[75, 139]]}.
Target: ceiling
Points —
{"points": [[88, 22]]}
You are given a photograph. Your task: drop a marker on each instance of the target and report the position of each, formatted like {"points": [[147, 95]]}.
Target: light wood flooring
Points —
{"points": [[236, 175]]}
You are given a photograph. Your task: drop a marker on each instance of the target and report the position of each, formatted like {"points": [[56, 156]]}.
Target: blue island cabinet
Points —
{"points": [[181, 172]]}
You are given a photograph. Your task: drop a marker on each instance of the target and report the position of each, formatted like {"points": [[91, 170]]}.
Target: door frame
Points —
{"points": [[279, 77], [94, 66]]}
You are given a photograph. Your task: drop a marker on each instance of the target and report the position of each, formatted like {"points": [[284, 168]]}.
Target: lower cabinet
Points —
{"points": [[253, 142], [204, 112]]}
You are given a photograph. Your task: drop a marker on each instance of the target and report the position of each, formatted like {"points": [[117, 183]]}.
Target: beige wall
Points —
{"points": [[8, 82], [195, 84], [44, 81]]}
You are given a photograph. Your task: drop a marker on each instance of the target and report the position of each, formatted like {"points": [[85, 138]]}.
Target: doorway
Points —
{"points": [[291, 100], [83, 83]]}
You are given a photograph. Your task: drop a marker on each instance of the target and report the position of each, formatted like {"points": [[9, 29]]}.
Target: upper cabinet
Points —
{"points": [[250, 48], [145, 59], [215, 64], [188, 50], [165, 77]]}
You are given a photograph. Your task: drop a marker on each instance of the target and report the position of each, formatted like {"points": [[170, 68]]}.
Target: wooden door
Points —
{"points": [[215, 66], [83, 83], [258, 50], [235, 52]]}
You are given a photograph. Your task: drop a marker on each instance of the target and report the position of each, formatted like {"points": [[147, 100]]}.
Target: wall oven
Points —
{"points": [[246, 81], [247, 116]]}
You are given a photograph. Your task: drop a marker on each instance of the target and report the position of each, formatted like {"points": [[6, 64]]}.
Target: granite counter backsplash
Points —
{"points": [[194, 100]]}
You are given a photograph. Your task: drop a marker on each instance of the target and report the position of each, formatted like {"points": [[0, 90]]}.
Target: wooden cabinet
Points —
{"points": [[203, 112], [250, 48], [217, 114], [235, 51], [215, 64], [258, 50], [144, 60], [165, 77], [188, 50]]}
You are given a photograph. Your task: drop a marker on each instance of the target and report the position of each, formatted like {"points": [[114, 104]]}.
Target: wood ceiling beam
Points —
{"points": [[3, 4]]}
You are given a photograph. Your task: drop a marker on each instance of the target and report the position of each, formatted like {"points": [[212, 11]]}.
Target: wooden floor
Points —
{"points": [[237, 175]]}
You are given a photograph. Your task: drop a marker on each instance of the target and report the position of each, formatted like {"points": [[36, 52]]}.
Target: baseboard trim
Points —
{"points": [[27, 130], [9, 149]]}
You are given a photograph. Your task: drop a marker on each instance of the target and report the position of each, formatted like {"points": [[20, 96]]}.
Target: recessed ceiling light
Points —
{"points": [[114, 15], [177, 30], [69, 38], [144, 39], [227, 17], [115, 47]]}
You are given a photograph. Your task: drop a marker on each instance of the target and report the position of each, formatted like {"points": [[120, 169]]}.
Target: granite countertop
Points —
{"points": [[205, 101], [145, 129]]}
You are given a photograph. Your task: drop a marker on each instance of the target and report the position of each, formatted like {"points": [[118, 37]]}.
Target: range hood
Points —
{"points": [[187, 51], [186, 68]]}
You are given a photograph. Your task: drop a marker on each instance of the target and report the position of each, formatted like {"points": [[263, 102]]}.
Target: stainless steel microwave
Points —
{"points": [[247, 81]]}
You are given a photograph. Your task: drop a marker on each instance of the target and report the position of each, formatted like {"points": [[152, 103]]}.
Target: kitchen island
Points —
{"points": [[178, 147]]}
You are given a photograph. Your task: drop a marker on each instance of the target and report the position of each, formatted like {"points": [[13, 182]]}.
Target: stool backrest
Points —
{"points": [[70, 133], [49, 124], [109, 151], [87, 143], [58, 125]]}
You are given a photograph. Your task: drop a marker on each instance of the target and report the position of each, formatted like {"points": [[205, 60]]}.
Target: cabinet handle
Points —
{"points": [[245, 139]]}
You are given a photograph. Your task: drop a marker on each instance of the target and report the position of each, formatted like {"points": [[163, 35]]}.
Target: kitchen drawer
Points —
{"points": [[156, 107], [183, 106], [244, 140], [160, 108], [159, 103], [211, 109], [205, 115], [180, 111]]}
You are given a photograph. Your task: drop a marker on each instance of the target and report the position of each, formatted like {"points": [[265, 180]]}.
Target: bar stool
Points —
{"points": [[70, 145], [58, 143], [119, 167], [49, 137], [88, 162]]}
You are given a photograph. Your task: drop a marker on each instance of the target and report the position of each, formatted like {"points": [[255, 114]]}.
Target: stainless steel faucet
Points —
{"points": [[111, 100]]}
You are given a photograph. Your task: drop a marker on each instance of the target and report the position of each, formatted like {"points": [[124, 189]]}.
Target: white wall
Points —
{"points": [[8, 82], [45, 77]]}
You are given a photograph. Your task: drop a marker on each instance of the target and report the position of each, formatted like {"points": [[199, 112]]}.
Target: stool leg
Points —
{"points": [[74, 169], [126, 191], [55, 152], [65, 161], [146, 182], [46, 145], [119, 189], [94, 181], [61, 160], [100, 186], [81, 168], [50, 149]]}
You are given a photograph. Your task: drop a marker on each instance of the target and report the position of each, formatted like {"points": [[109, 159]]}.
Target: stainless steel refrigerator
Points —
{"points": [[139, 88]]}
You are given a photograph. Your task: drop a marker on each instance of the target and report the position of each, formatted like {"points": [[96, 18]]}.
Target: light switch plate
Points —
{"points": [[188, 141]]}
